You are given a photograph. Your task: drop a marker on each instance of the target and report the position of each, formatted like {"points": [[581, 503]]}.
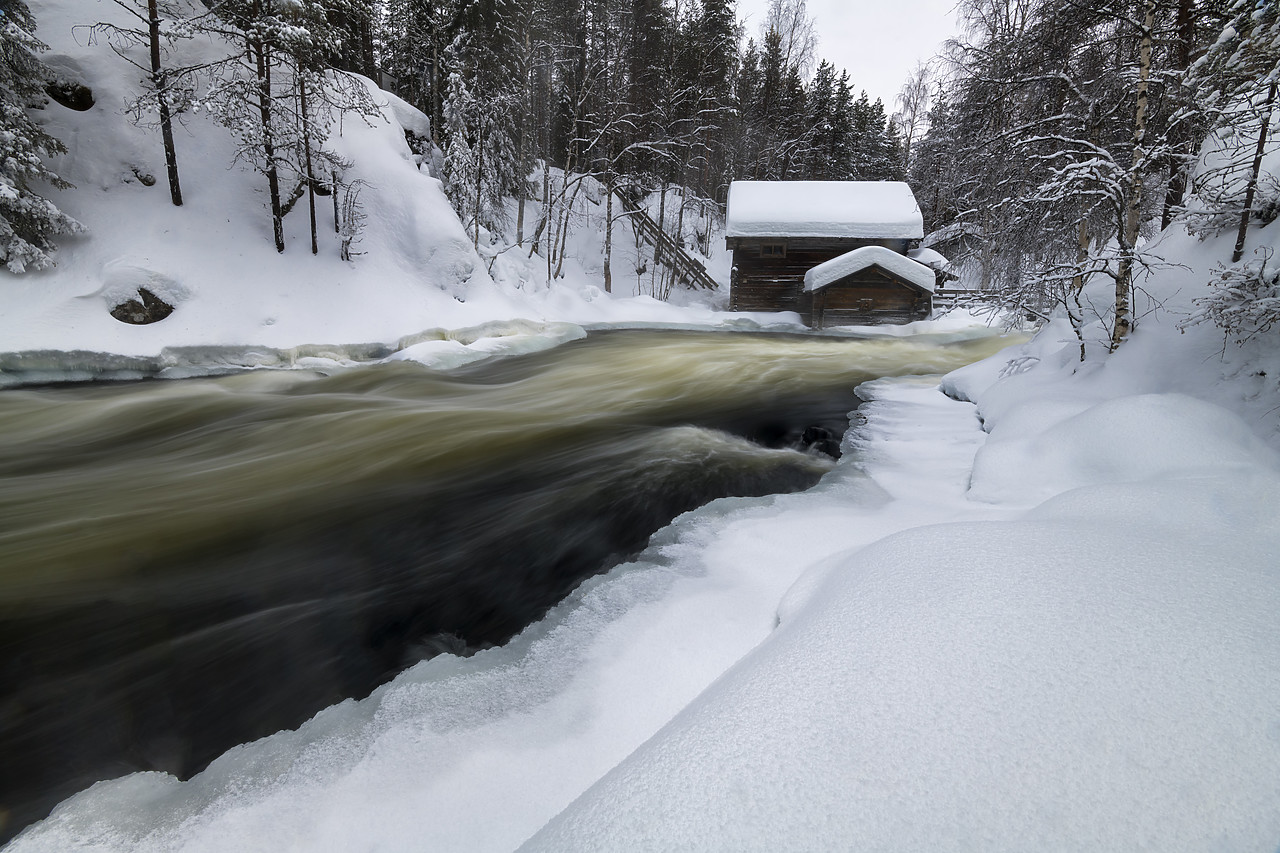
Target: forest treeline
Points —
{"points": [[638, 94]]}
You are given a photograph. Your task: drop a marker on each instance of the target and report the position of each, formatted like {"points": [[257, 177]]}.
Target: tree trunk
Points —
{"points": [[306, 154], [437, 102], [654, 281], [337, 228], [608, 232], [262, 59], [1178, 165], [1076, 316], [526, 107], [479, 184], [160, 81], [567, 210], [1133, 203], [1254, 171]]}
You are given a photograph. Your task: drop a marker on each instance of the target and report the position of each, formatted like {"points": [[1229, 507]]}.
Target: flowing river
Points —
{"points": [[188, 565]]}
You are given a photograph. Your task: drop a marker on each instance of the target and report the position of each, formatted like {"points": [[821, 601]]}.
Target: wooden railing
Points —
{"points": [[666, 250], [947, 298]]}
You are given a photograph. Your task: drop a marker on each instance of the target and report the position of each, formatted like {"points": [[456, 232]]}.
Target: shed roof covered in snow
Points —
{"points": [[873, 210], [845, 265], [930, 258]]}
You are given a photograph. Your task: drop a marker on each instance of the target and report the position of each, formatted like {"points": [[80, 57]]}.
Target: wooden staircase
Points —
{"points": [[667, 251]]}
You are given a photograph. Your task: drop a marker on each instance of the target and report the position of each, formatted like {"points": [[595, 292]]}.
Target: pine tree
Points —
{"points": [[279, 95], [158, 26], [824, 142], [244, 94], [414, 36], [28, 220]]}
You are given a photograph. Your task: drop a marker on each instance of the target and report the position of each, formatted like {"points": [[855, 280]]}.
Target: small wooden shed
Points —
{"points": [[780, 231], [868, 285]]}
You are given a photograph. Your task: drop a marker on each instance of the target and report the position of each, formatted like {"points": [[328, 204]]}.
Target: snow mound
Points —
{"points": [[124, 278], [505, 339], [1129, 439], [930, 258], [1077, 680], [406, 114]]}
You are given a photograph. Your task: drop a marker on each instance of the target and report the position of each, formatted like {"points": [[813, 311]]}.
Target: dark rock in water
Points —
{"points": [[821, 440], [73, 96], [151, 309]]}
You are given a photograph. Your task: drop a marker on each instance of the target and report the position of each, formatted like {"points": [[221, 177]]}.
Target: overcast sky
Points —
{"points": [[878, 41]]}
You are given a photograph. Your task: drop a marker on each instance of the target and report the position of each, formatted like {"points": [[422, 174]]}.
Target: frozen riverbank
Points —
{"points": [[995, 671]]}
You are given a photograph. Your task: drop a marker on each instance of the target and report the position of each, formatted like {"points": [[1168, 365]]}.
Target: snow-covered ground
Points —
{"points": [[1039, 613]]}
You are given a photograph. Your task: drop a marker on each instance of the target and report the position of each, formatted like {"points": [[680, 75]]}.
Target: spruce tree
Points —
{"points": [[28, 220], [481, 106]]}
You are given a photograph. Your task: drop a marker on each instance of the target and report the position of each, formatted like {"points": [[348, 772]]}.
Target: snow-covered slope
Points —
{"points": [[213, 258]]}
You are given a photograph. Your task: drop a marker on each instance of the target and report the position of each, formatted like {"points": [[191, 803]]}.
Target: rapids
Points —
{"points": [[188, 565]]}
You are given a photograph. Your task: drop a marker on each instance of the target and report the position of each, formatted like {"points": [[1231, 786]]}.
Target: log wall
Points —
{"points": [[771, 283]]}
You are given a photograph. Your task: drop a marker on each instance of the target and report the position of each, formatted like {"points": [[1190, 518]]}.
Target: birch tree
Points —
{"points": [[1063, 110]]}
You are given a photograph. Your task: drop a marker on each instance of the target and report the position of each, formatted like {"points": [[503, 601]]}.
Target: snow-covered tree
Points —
{"points": [[28, 220], [1063, 112], [1236, 84], [912, 115], [1243, 300], [279, 95], [414, 37], [158, 25], [480, 152]]}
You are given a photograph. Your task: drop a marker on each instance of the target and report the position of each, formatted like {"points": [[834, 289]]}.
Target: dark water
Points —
{"points": [[185, 566]]}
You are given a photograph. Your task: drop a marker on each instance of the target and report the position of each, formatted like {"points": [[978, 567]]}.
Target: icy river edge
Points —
{"points": [[1069, 641]]}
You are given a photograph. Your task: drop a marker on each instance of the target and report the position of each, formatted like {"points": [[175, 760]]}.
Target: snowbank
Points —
{"points": [[1099, 673], [957, 691]]}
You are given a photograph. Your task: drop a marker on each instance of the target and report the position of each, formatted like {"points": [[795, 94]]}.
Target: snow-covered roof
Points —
{"points": [[931, 258], [849, 263], [877, 210], [950, 233]]}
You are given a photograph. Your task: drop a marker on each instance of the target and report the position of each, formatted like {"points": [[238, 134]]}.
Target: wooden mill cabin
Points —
{"points": [[836, 252]]}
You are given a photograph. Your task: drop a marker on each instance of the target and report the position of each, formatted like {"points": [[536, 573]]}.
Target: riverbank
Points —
{"points": [[1056, 631], [190, 565]]}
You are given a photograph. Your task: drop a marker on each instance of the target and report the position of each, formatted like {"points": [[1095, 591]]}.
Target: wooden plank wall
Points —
{"points": [[869, 296], [777, 283]]}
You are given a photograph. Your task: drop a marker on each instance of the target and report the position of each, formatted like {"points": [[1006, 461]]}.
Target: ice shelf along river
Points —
{"points": [[189, 565]]}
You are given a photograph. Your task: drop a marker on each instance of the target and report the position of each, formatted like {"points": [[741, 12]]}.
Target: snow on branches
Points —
{"points": [[28, 220], [1244, 300]]}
